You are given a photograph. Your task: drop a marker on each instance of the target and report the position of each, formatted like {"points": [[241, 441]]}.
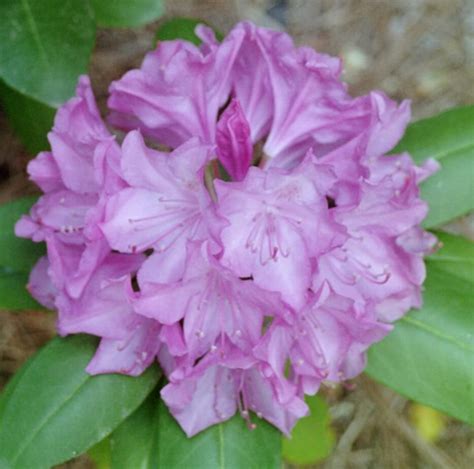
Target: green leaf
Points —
{"points": [[450, 191], [17, 253], [45, 46], [127, 13], [13, 292], [10, 388], [430, 354], [30, 119], [57, 411], [151, 438], [455, 256], [441, 135], [229, 444], [312, 439], [182, 28], [448, 137], [17, 257], [134, 442]]}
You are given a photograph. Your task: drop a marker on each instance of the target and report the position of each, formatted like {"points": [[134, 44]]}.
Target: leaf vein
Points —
{"points": [[48, 417], [35, 32], [445, 153], [437, 333]]}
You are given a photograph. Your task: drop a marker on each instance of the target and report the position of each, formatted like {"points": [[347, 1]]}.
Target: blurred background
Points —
{"points": [[417, 49]]}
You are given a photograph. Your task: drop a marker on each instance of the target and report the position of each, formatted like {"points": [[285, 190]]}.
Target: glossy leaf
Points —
{"points": [[135, 443], [229, 444], [448, 137], [151, 438], [30, 119], [312, 439], [45, 46], [56, 411], [182, 28], [430, 354], [127, 13]]}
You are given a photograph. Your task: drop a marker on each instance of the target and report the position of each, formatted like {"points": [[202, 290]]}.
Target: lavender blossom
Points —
{"points": [[255, 259]]}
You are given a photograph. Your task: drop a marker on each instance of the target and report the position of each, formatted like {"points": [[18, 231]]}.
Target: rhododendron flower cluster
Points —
{"points": [[248, 232]]}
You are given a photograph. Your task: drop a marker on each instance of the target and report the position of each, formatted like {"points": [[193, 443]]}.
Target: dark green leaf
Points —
{"points": [[57, 411], [127, 13], [429, 356], [134, 442], [45, 45], [229, 444], [182, 28], [13, 292], [448, 137], [312, 439], [17, 253], [30, 119], [17, 257], [151, 438]]}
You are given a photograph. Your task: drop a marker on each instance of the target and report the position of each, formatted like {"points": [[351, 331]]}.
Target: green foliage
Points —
{"points": [[31, 119], [229, 444], [127, 13], [455, 256], [13, 293], [151, 438], [430, 354], [53, 410], [45, 45], [134, 442], [17, 257], [448, 137], [182, 28], [312, 439], [17, 253]]}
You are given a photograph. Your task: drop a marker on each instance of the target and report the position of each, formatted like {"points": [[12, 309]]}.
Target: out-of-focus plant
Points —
{"points": [[45, 45]]}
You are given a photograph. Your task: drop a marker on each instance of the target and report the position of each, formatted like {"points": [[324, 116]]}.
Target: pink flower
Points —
{"points": [[234, 145], [216, 388], [129, 342], [326, 343], [165, 205], [213, 303], [279, 223], [257, 258], [79, 277], [177, 93]]}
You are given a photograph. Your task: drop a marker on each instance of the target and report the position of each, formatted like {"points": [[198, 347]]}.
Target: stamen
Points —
{"points": [[266, 237]]}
